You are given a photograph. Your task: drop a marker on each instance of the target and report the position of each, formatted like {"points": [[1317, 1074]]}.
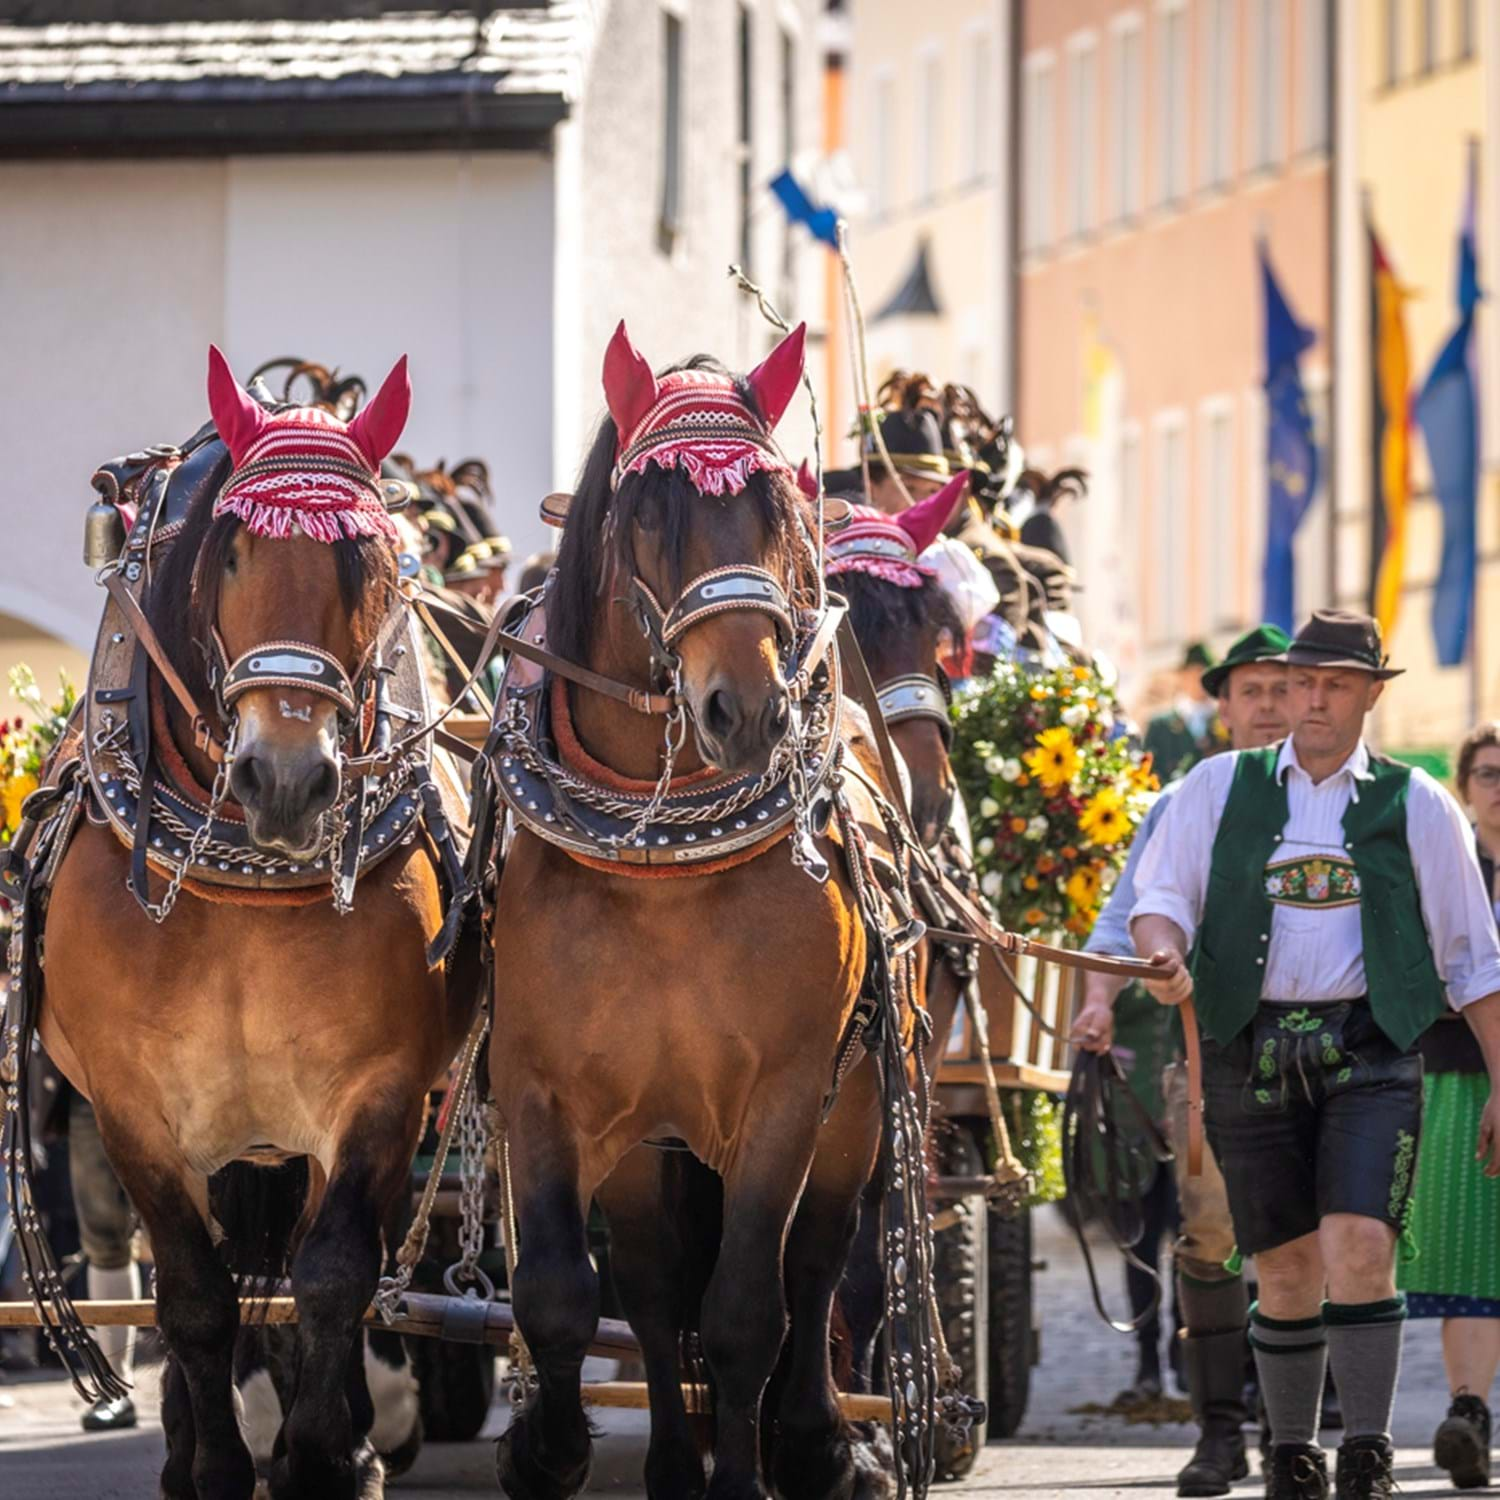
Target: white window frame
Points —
{"points": [[1083, 134], [1218, 504], [980, 91], [1218, 49], [1168, 622], [674, 136], [1173, 94], [1039, 168], [1265, 95], [1127, 189], [882, 181], [1313, 103], [928, 135]]}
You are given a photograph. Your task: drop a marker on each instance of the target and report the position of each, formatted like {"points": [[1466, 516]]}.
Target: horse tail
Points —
{"points": [[260, 1211]]}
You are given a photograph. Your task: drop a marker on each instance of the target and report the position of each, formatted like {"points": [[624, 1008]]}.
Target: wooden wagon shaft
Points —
{"points": [[629, 1393], [423, 1317]]}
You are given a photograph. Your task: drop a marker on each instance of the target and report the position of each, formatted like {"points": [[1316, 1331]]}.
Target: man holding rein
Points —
{"points": [[1321, 905]]}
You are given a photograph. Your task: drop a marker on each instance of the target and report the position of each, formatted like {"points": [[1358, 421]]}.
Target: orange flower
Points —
{"points": [[1031, 882], [1018, 825], [1046, 865], [1069, 852], [1033, 916], [1023, 780]]}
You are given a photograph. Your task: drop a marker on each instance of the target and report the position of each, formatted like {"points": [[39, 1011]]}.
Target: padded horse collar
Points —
{"points": [[915, 696]]}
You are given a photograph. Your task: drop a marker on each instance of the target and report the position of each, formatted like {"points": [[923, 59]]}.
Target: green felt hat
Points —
{"points": [[1198, 654], [1264, 643]]}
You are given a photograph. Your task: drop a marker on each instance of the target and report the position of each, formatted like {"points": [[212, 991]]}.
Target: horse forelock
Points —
{"points": [[895, 626], [598, 554]]}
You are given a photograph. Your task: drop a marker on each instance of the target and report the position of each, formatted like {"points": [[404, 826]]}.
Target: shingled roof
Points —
{"points": [[421, 79]]}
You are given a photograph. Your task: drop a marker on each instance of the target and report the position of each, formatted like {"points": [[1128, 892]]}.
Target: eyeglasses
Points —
{"points": [[1486, 776]]}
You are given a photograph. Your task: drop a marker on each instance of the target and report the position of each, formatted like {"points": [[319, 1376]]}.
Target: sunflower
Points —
{"points": [[14, 790], [1104, 820], [1054, 762], [1083, 888]]}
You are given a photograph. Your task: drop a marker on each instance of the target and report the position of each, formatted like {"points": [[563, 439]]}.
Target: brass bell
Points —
{"points": [[103, 534]]}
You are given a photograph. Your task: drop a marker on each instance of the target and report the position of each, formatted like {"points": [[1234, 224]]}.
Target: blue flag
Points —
{"points": [[1448, 414], [800, 209], [1291, 454]]}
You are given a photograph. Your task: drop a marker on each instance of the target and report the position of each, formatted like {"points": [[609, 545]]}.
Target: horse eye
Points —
{"points": [[231, 562]]}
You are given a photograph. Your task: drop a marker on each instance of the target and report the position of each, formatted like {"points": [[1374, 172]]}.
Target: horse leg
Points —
{"points": [[812, 1456], [325, 1453], [744, 1315], [197, 1311], [862, 1292], [546, 1451], [644, 1201]]}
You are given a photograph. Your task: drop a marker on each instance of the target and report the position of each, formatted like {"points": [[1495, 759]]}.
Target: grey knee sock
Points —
{"points": [[1290, 1357], [1364, 1343]]}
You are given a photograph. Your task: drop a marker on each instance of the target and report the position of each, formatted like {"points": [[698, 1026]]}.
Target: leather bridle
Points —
{"points": [[914, 695]]}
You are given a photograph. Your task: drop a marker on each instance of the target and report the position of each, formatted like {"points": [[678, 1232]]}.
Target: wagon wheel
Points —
{"points": [[961, 1280], [1012, 1342]]}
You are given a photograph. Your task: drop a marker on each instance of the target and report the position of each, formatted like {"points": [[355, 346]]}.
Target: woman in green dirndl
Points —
{"points": [[1455, 1215]]}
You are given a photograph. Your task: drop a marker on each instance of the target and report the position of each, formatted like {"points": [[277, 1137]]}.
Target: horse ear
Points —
{"points": [[925, 521], [776, 378], [377, 429], [806, 482], [629, 385], [237, 415]]}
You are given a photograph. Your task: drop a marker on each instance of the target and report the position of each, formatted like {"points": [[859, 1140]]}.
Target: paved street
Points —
{"points": [[1063, 1451]]}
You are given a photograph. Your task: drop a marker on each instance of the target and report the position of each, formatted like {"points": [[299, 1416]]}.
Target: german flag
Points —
{"points": [[1390, 432]]}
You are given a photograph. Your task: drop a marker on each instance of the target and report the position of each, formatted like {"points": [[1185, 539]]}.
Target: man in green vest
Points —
{"points": [[1321, 905]]}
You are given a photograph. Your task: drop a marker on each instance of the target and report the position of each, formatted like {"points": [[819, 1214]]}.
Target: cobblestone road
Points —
{"points": [[1061, 1451]]}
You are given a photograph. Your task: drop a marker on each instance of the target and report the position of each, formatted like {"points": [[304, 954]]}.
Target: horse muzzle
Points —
{"points": [[285, 793], [737, 732]]}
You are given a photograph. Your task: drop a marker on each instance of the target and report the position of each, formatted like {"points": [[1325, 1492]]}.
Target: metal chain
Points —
{"points": [[523, 1372], [465, 1272], [159, 911], [674, 736]]}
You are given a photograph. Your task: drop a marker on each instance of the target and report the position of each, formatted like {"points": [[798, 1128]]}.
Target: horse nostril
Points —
{"points": [[324, 786], [778, 713], [720, 713], [244, 779]]}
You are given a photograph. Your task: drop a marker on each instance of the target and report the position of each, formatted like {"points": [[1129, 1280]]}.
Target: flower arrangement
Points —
{"points": [[1054, 794], [24, 744]]}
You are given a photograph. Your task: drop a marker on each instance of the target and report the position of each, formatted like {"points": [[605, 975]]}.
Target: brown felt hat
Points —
{"points": [[1341, 638]]}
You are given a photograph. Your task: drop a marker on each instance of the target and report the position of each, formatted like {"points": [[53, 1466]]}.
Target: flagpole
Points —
{"points": [[1475, 683]]}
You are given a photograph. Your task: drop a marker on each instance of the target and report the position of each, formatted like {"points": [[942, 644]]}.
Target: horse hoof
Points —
{"points": [[522, 1477]]}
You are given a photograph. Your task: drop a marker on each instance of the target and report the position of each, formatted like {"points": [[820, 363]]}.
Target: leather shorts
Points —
{"points": [[1312, 1110]]}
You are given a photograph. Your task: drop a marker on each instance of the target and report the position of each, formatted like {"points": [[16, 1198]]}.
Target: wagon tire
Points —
{"points": [[1012, 1340], [456, 1384], [961, 1283]]}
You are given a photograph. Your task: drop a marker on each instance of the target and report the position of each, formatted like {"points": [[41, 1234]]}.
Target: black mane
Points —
{"points": [[600, 536], [879, 609]]}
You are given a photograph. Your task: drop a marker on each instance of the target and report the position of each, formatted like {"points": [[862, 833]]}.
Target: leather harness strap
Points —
{"points": [[1194, 1048]]}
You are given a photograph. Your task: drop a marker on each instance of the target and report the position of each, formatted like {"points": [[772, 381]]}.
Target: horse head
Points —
{"points": [[687, 521], [289, 590]]}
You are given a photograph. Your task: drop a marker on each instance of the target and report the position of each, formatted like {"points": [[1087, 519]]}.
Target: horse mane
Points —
{"points": [[184, 594], [599, 540], [879, 610]]}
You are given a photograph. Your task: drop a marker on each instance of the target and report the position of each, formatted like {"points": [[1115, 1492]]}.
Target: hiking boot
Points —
{"points": [[110, 1416], [1364, 1469], [1462, 1444], [1297, 1471], [1212, 1365]]}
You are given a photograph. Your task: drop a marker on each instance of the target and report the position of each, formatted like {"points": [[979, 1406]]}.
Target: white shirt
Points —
{"points": [[1316, 952]]}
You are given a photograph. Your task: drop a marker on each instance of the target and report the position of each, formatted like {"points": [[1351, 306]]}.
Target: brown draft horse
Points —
{"points": [[239, 1032], [708, 1009]]}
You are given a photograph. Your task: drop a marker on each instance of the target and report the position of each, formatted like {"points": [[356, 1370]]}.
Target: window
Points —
{"points": [[1312, 114], [882, 140], [1132, 534], [788, 143], [1267, 38], [1041, 135], [1217, 495], [1083, 134], [746, 152], [1466, 29], [1218, 54], [670, 226], [1172, 145], [1127, 105], [1391, 40], [929, 124], [979, 106], [1169, 524], [1429, 50]]}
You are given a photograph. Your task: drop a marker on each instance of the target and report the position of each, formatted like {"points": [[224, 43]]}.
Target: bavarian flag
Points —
{"points": [[1390, 434]]}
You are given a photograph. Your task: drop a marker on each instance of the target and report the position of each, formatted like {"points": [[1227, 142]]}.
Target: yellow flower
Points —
{"points": [[1104, 820], [14, 790], [1055, 759], [1038, 692], [1143, 778], [1082, 674], [1083, 888]]}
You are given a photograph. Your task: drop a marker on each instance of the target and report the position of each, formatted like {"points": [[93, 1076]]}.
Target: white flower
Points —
{"points": [[989, 808], [990, 885], [1037, 827], [1010, 769], [984, 747], [986, 847], [1076, 715]]}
